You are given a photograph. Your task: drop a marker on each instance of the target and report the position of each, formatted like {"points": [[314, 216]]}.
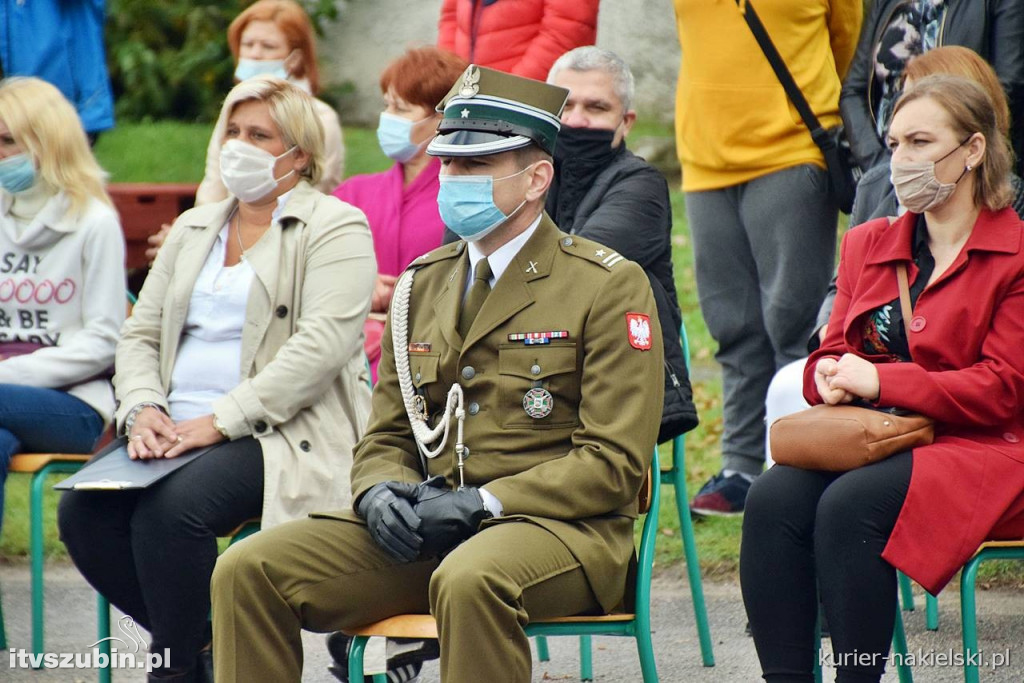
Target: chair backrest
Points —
{"points": [[143, 208], [649, 503]]}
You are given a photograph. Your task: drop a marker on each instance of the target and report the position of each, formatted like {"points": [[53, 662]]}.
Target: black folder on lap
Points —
{"points": [[115, 471]]}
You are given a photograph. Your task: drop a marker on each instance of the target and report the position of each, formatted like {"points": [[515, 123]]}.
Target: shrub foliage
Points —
{"points": [[170, 59]]}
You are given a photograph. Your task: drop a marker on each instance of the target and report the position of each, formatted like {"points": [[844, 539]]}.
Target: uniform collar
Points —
{"points": [[503, 255], [997, 231]]}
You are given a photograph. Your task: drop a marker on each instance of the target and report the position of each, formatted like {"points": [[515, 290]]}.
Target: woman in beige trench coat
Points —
{"points": [[247, 338]]}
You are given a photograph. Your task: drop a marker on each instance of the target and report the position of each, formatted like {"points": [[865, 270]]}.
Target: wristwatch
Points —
{"points": [[129, 420], [220, 427]]}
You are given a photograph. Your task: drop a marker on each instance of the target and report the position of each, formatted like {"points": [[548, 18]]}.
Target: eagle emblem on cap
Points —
{"points": [[470, 82]]}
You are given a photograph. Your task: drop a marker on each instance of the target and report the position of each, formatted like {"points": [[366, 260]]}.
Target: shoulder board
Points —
{"points": [[591, 251], [442, 253]]}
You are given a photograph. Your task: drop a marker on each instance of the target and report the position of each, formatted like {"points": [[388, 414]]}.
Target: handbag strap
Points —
{"points": [[905, 306], [819, 134]]}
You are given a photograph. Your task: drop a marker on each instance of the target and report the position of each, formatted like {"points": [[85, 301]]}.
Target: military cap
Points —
{"points": [[488, 111]]}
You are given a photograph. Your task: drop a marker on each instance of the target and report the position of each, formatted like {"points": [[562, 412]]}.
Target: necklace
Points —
{"points": [[238, 235]]}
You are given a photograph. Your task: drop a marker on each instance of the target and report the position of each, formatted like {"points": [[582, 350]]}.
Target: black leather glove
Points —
{"points": [[393, 525], [448, 517]]}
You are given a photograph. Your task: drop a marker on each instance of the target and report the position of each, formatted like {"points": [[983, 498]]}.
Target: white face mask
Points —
{"points": [[248, 171]]}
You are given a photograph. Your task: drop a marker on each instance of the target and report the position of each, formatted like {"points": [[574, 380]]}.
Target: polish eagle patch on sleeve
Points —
{"points": [[638, 326]]}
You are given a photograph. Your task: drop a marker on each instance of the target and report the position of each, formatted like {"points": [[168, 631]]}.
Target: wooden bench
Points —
{"points": [[143, 208]]}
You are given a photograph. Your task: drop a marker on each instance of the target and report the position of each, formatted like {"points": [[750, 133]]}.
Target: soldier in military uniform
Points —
{"points": [[541, 353]]}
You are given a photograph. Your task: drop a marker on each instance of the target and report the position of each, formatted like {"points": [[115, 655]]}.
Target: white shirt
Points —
{"points": [[209, 359]]}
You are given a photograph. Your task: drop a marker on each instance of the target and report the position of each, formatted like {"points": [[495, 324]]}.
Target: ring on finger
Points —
{"points": [[180, 439]]}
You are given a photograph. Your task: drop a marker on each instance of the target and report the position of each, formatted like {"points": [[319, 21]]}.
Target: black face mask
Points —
{"points": [[591, 144]]}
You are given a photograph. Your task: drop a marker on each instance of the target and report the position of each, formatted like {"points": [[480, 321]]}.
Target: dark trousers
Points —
{"points": [[807, 531], [151, 552]]}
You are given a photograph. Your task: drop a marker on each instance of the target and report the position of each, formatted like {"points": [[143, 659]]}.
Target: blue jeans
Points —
{"points": [[34, 420]]}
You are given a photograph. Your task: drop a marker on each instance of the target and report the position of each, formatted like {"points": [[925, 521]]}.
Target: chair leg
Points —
{"points": [[103, 633], [36, 552], [3, 631], [969, 616], [355, 658], [678, 478], [586, 659], [645, 646], [542, 649], [906, 591], [899, 644], [931, 612]]}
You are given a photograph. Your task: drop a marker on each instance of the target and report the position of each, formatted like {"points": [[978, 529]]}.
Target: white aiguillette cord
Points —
{"points": [[453, 405]]}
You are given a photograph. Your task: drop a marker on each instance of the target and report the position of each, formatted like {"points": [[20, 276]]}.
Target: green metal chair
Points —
{"points": [[40, 466], [675, 475], [636, 625], [992, 550]]}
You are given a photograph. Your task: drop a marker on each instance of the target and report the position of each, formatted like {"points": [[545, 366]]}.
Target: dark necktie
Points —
{"points": [[475, 299]]}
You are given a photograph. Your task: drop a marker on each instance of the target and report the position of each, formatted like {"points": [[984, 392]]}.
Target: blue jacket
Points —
{"points": [[61, 42]]}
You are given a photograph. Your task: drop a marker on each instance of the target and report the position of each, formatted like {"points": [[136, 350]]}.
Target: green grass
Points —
{"points": [[175, 152]]}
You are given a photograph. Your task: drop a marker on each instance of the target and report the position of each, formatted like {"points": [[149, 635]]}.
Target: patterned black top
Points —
{"points": [[884, 331], [913, 29]]}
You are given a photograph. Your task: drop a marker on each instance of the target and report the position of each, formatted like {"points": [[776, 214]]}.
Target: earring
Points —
{"points": [[969, 167]]}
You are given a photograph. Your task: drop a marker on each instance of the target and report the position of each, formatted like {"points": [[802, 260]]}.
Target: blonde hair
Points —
{"points": [[970, 111], [292, 111], [47, 127]]}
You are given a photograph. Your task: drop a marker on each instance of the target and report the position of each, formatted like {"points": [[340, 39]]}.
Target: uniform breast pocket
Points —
{"points": [[423, 368], [539, 386]]}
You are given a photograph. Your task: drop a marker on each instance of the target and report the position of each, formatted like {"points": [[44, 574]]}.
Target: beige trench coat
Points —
{"points": [[305, 394]]}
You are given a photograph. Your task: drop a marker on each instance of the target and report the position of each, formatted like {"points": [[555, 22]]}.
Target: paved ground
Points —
{"points": [[71, 628]]}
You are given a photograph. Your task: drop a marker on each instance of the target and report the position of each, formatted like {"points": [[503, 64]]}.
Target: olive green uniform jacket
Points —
{"points": [[575, 472], [304, 393]]}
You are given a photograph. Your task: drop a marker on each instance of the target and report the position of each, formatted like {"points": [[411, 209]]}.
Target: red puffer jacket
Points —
{"points": [[523, 37]]}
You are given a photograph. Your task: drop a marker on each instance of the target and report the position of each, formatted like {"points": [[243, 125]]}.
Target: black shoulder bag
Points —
{"points": [[832, 141]]}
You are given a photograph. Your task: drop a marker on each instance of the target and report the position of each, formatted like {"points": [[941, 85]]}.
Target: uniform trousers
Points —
{"points": [[764, 254], [806, 532], [151, 552], [326, 574]]}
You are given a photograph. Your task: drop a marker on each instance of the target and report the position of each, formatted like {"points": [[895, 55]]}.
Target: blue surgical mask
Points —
{"points": [[394, 134], [248, 68], [17, 173], [467, 207]]}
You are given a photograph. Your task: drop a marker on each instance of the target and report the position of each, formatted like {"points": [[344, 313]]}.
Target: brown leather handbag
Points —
{"points": [[844, 437]]}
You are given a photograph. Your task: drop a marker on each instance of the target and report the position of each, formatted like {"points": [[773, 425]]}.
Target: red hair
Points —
{"points": [[293, 22], [423, 76]]}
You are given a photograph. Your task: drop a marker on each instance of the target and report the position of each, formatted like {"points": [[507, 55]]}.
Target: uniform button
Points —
{"points": [[535, 369], [474, 408], [418, 377], [567, 241], [260, 426], [304, 445], [918, 323], [281, 311], [1010, 437], [468, 372]]}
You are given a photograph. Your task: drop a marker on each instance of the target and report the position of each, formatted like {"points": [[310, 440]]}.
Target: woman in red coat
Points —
{"points": [[923, 511], [521, 37]]}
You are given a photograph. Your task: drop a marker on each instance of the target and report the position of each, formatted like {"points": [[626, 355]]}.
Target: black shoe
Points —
{"points": [[405, 657]]}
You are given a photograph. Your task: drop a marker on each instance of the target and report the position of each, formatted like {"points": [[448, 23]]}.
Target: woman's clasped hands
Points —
{"points": [[155, 435], [846, 380]]}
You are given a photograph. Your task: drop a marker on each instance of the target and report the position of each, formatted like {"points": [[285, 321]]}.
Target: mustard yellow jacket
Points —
{"points": [[734, 121]]}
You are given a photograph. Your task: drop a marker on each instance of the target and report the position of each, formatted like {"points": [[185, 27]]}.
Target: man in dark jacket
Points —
{"points": [[605, 193]]}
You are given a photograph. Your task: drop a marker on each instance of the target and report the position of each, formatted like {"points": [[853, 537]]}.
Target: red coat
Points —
{"points": [[967, 343], [522, 37]]}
